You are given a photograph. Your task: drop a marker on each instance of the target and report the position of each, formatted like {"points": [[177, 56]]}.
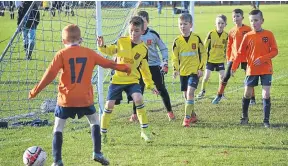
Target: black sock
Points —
{"points": [[134, 108], [166, 99], [96, 138], [266, 109], [57, 146], [245, 106]]}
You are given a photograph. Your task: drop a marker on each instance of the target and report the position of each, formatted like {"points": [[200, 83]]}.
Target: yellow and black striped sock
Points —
{"points": [[189, 108], [105, 120], [142, 115]]}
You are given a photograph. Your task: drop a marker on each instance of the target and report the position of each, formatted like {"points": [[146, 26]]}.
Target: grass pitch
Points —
{"points": [[217, 139]]}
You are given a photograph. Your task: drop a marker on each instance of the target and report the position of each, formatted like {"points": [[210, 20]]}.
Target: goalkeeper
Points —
{"points": [[157, 66], [75, 95]]}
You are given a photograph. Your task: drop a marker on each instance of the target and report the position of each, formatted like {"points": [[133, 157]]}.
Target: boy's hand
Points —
{"points": [[128, 69], [100, 41], [31, 95], [175, 74], [199, 73], [257, 62], [164, 66], [155, 91]]}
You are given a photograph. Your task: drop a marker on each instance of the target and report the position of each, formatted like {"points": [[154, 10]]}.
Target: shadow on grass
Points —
{"points": [[209, 146]]}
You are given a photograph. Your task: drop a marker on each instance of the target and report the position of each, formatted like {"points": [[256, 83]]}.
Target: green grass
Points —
{"points": [[217, 139]]}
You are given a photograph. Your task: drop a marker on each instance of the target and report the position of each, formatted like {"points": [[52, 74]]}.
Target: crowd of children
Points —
{"points": [[139, 65]]}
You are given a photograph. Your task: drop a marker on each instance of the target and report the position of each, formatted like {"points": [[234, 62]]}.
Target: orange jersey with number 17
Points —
{"points": [[257, 45], [75, 87]]}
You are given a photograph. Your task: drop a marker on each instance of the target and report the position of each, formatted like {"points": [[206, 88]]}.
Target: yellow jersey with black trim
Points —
{"points": [[136, 55], [216, 43], [188, 55]]}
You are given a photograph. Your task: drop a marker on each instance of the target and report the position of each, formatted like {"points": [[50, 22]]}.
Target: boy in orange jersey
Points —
{"points": [[235, 37], [133, 51], [75, 96], [258, 47]]}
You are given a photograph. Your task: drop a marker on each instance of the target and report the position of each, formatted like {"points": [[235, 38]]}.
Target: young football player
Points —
{"points": [[75, 96], [258, 47]]}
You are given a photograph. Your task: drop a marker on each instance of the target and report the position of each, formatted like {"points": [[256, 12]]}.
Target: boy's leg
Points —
{"points": [[204, 83], [266, 86], [250, 83], [253, 100], [58, 140], [106, 118], [135, 92], [223, 83], [190, 115], [96, 138], [134, 117], [159, 81]]}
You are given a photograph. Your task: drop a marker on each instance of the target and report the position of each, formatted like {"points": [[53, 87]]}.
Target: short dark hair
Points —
{"points": [[143, 14], [223, 17], [186, 17], [240, 11], [255, 12], [137, 21]]}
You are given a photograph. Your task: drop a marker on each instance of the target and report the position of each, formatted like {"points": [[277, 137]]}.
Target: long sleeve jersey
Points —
{"points": [[77, 64], [255, 45], [152, 40], [235, 37], [134, 54], [215, 44], [188, 54]]}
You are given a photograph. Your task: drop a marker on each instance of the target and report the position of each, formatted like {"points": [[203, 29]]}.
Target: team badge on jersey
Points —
{"points": [[223, 41], [193, 46], [149, 42], [265, 39], [137, 56]]}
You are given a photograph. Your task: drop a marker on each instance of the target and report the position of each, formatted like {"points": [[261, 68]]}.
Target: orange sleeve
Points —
{"points": [[241, 54], [273, 50], [49, 75], [229, 46], [101, 61]]}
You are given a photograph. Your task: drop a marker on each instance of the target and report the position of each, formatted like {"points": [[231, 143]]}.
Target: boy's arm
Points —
{"points": [[175, 57], [105, 63], [49, 75], [208, 42], [163, 49], [108, 50], [241, 54], [146, 74], [229, 46], [203, 55], [273, 50]]}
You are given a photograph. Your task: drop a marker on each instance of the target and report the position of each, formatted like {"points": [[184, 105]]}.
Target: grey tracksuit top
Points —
{"points": [[152, 40]]}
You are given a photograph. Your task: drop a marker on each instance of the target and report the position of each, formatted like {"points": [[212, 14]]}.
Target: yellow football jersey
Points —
{"points": [[188, 55], [215, 44], [134, 54], [45, 4]]}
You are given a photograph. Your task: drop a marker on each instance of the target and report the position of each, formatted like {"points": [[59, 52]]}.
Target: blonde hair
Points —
{"points": [[71, 33]]}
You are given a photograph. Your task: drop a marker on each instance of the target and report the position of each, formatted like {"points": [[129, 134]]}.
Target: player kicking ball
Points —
{"points": [[75, 91]]}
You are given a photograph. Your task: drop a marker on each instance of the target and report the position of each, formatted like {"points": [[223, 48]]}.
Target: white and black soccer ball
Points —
{"points": [[34, 156]]}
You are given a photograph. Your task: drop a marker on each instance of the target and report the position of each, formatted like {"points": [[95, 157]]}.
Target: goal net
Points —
{"points": [[18, 75]]}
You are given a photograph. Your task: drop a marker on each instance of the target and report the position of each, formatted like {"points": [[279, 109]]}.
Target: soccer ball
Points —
{"points": [[34, 156]]}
